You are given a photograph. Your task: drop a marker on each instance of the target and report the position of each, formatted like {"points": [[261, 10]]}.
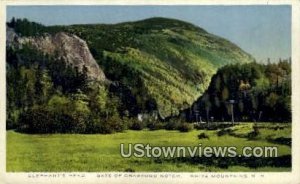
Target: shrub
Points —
{"points": [[12, 119], [185, 127], [199, 127], [224, 131], [41, 120], [137, 125], [10, 124], [91, 125], [282, 140], [254, 133], [33, 121], [105, 126], [116, 124], [223, 164], [156, 126], [203, 136], [129, 170], [173, 124]]}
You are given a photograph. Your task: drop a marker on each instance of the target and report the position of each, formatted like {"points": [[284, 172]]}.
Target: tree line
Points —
{"points": [[258, 92], [47, 95]]}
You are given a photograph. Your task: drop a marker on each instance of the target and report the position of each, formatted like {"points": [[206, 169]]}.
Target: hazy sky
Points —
{"points": [[263, 31]]}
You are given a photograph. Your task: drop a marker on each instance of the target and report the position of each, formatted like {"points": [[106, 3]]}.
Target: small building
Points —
{"points": [[147, 116]]}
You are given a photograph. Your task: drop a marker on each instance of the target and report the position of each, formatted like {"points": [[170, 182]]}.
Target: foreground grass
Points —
{"points": [[77, 152]]}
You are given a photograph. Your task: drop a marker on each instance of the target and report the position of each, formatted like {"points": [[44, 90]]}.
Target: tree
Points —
{"points": [[98, 100], [43, 86], [207, 105]]}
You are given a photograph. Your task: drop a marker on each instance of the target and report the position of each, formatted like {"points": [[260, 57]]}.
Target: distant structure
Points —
{"points": [[147, 116]]}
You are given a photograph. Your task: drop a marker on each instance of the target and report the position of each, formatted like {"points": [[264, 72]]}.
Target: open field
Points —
{"points": [[98, 152]]}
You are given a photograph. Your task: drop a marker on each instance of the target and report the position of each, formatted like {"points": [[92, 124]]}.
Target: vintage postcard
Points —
{"points": [[150, 92]]}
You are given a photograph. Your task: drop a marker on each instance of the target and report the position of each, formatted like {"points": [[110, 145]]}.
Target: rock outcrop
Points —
{"points": [[70, 48]]}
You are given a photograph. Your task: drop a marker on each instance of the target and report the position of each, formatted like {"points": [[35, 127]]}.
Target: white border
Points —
{"points": [[269, 177]]}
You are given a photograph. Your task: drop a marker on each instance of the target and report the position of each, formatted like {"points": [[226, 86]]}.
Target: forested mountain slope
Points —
{"points": [[259, 92], [93, 77], [167, 64]]}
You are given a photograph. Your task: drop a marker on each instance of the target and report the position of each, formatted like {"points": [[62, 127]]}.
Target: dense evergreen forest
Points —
{"points": [[46, 95], [258, 92], [161, 62]]}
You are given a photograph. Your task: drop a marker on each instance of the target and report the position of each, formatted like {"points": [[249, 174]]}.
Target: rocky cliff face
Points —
{"points": [[71, 48]]}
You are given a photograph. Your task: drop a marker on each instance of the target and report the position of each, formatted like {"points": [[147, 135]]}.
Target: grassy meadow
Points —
{"points": [[101, 152]]}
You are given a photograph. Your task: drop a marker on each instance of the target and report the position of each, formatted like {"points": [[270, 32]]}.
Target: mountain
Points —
{"points": [[165, 62], [154, 65]]}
